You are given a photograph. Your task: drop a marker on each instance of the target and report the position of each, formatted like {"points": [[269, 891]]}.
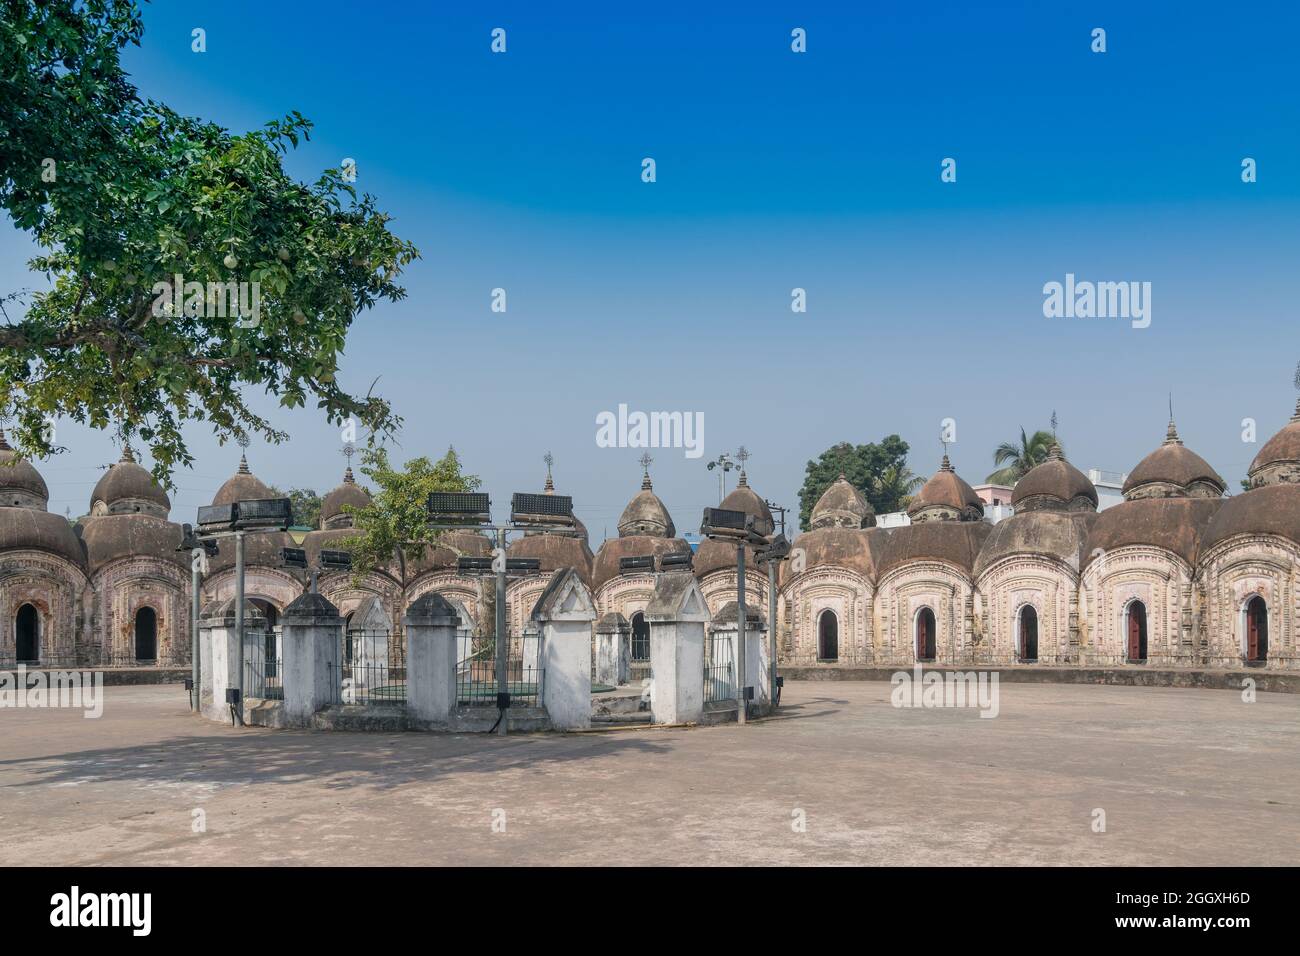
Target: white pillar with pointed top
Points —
{"points": [[677, 615], [565, 613]]}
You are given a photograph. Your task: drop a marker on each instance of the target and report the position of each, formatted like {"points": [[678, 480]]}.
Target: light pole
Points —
{"points": [[728, 525], [724, 463], [472, 511], [199, 551]]}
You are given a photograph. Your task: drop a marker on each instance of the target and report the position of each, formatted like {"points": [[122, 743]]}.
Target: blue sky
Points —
{"points": [[775, 170]]}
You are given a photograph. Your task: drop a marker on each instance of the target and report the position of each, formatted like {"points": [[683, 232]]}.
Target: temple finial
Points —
{"points": [[645, 461], [242, 442], [742, 456], [550, 482]]}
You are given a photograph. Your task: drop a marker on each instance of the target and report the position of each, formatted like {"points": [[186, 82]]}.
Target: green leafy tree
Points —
{"points": [[306, 505], [878, 470], [393, 531], [123, 195], [1017, 458]]}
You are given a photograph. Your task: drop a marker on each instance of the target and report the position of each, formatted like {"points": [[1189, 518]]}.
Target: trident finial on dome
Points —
{"points": [[742, 456], [645, 461], [242, 442], [1296, 416], [349, 450], [550, 482], [1171, 433]]}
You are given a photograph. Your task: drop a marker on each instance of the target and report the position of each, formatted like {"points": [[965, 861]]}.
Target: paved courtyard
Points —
{"points": [[1184, 777]]}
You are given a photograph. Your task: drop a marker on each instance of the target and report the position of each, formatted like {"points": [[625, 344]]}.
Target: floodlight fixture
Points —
{"points": [[336, 560], [677, 561], [294, 557], [217, 518], [534, 509], [264, 514], [523, 565], [459, 507], [777, 550], [470, 564], [636, 564]]}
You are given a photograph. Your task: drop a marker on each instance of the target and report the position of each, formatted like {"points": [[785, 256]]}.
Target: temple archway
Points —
{"points": [[926, 639], [1135, 631], [1027, 634], [1256, 630], [27, 635], [146, 634], [828, 637]]}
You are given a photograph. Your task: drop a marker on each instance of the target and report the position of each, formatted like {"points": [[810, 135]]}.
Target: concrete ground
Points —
{"points": [[1192, 777]]}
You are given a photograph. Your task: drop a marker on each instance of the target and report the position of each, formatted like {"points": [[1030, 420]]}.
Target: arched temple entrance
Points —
{"points": [[828, 636], [1136, 631], [926, 642], [1027, 634], [146, 634], [27, 635], [1256, 612]]}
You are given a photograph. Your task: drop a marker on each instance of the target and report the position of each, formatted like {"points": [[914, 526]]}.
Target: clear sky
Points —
{"points": [[775, 170]]}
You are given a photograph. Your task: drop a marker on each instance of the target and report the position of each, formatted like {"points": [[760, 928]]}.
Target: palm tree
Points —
{"points": [[1017, 459], [896, 485]]}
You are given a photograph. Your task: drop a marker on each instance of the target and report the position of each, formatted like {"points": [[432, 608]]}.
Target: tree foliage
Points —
{"points": [[394, 527], [877, 469], [306, 505], [123, 194], [1017, 458]]}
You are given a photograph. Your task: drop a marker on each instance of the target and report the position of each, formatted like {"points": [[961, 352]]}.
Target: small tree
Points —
{"points": [[393, 531], [306, 505], [878, 470]]}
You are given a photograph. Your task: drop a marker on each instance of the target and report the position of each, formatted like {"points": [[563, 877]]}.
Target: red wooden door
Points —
{"points": [[1252, 632], [923, 644]]}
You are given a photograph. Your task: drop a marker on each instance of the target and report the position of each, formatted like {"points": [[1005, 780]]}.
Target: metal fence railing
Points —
{"points": [[373, 670], [264, 677], [476, 681], [719, 671]]}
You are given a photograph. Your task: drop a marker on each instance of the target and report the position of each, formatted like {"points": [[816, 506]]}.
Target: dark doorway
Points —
{"points": [[1137, 631], [925, 635], [146, 634], [27, 635], [828, 637], [640, 637], [1028, 634], [1256, 629]]}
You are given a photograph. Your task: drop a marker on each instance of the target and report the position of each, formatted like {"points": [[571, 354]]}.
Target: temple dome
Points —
{"points": [[112, 537], [842, 506], [605, 567], [1054, 485], [829, 546], [332, 514], [1268, 510], [946, 497], [1173, 524], [1278, 462], [1173, 471], [1050, 534], [21, 485], [127, 488], [243, 485], [36, 529], [645, 514], [951, 542], [743, 498]]}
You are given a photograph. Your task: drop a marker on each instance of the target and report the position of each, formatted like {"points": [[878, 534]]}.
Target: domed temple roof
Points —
{"points": [[127, 488], [1174, 524], [945, 497], [29, 528], [1278, 462], [645, 514], [1270, 509], [332, 514], [111, 537], [953, 542], [1054, 534], [243, 485], [743, 498], [842, 506], [605, 567], [857, 549], [20, 476], [1173, 471], [1054, 485]]}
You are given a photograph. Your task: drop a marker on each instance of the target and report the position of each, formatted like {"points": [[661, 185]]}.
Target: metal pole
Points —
{"points": [[771, 635], [503, 641], [740, 630], [195, 584], [239, 616]]}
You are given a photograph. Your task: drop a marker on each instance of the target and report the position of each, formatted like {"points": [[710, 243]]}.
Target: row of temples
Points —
{"points": [[1177, 575]]}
